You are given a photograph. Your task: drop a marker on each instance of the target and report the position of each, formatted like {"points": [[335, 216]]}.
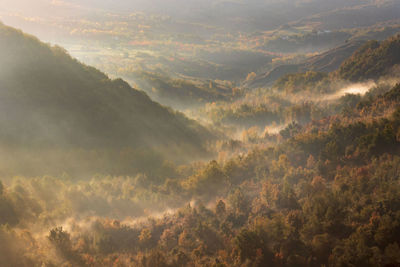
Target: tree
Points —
{"points": [[220, 208], [254, 247], [62, 241]]}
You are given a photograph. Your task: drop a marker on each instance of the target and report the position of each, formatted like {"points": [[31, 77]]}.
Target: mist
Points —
{"points": [[355, 89], [172, 133]]}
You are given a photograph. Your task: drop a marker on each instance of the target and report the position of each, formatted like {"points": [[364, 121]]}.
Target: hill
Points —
{"points": [[181, 93], [327, 61], [356, 61], [51, 101], [371, 60]]}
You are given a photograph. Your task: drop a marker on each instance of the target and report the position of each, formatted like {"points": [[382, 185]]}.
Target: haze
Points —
{"points": [[174, 133]]}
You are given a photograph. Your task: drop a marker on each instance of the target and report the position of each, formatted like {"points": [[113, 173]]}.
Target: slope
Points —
{"points": [[49, 100], [372, 60], [325, 62]]}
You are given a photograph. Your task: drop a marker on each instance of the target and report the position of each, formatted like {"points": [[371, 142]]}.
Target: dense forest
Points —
{"points": [[299, 169], [326, 195]]}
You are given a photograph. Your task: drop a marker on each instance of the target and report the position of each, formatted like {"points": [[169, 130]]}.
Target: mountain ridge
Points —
{"points": [[51, 100]]}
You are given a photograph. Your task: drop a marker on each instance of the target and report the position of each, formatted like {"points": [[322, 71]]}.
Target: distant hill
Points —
{"points": [[355, 61], [328, 61], [361, 15], [372, 60], [180, 93], [50, 100], [332, 59]]}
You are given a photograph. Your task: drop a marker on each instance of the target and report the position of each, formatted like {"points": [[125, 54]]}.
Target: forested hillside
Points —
{"points": [[327, 195], [51, 101], [372, 60]]}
